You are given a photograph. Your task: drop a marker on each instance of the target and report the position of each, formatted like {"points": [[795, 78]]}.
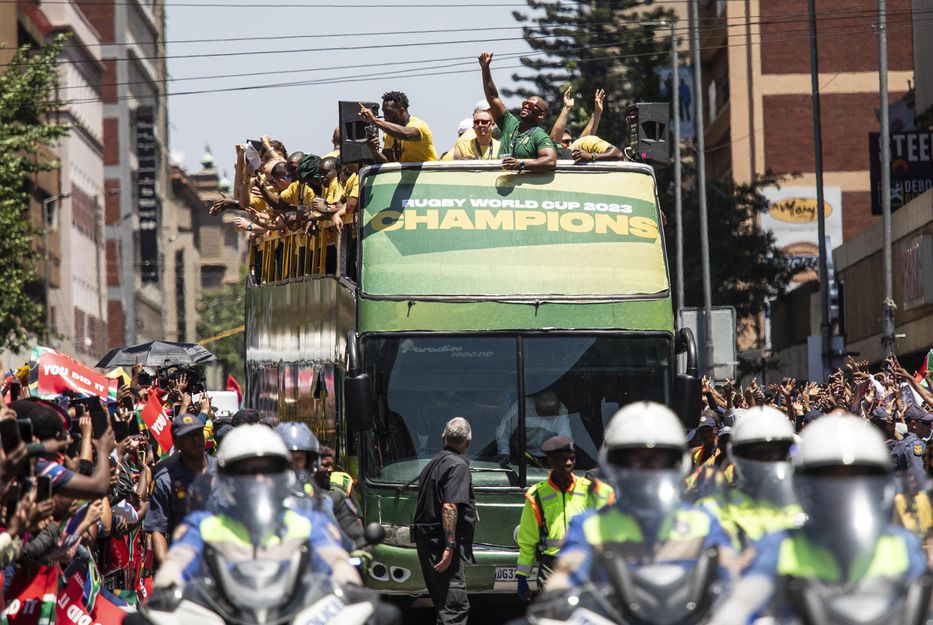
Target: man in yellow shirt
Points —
{"points": [[481, 146], [335, 141], [408, 139], [588, 147]]}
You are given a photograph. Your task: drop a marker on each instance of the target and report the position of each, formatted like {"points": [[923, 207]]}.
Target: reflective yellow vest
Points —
{"points": [[747, 520], [799, 557], [547, 515], [343, 481]]}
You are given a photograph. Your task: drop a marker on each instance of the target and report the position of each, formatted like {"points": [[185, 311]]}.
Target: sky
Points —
{"points": [[304, 116]]}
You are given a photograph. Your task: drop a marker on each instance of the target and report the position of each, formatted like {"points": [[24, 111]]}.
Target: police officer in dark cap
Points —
{"points": [[919, 422], [169, 502], [549, 506], [882, 419]]}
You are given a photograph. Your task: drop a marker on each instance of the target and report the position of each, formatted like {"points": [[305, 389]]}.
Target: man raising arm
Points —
{"points": [[525, 145]]}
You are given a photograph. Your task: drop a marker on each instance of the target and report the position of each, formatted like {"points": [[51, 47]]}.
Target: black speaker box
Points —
{"points": [[648, 131], [354, 132]]}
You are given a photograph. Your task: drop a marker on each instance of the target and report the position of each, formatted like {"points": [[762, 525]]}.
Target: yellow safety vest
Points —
{"points": [[747, 520], [547, 513]]}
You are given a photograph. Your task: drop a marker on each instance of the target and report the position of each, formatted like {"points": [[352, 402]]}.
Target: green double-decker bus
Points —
{"points": [[532, 304]]}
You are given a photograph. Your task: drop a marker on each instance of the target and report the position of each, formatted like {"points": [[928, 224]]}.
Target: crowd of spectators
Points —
{"points": [[897, 402], [93, 489], [298, 192]]}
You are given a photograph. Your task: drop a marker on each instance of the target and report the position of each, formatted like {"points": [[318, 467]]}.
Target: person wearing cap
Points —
{"points": [[762, 498], [345, 511], [173, 479], [644, 456], [710, 468], [847, 559], [549, 506], [255, 483]]}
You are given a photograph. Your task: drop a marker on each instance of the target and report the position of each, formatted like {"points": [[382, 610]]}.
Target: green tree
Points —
{"points": [[27, 97], [221, 310], [606, 44], [746, 269], [590, 45]]}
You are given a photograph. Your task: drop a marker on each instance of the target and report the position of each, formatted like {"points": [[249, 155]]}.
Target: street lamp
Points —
{"points": [[47, 225]]}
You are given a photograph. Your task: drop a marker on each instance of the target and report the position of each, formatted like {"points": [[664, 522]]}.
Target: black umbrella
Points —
{"points": [[157, 354]]}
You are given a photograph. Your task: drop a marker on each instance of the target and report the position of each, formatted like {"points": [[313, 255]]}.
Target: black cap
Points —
{"points": [[245, 416], [557, 443], [708, 420], [185, 424]]}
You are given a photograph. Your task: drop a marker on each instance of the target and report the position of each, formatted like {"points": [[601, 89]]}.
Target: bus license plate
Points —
{"points": [[505, 574]]}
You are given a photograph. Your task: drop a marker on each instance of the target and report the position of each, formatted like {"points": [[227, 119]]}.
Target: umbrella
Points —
{"points": [[157, 354]]}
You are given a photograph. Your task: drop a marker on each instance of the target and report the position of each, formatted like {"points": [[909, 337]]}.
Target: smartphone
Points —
{"points": [[43, 488], [25, 430], [9, 435], [127, 402], [15, 389], [100, 418], [121, 429], [80, 409]]}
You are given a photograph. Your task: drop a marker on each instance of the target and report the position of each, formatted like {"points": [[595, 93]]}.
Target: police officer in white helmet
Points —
{"points": [[847, 563], [650, 527], [762, 499]]}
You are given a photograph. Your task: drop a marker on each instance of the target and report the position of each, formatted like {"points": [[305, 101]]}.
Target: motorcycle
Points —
{"points": [[242, 585], [651, 594]]}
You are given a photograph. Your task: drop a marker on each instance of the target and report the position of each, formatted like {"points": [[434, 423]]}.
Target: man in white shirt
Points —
{"points": [[545, 417]]}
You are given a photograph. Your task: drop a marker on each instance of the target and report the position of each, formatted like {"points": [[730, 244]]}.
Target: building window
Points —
{"points": [[181, 314]]}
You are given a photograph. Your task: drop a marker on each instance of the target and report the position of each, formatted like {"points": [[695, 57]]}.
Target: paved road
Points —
{"points": [[480, 614]]}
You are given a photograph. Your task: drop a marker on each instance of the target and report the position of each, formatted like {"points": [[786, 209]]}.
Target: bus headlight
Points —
{"points": [[398, 536]]}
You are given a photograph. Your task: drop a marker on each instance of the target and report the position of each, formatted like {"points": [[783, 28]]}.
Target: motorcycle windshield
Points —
{"points": [[770, 482], [253, 506], [847, 515]]}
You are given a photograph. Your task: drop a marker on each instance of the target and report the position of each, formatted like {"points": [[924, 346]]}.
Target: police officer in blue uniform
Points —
{"points": [[254, 475], [171, 496]]}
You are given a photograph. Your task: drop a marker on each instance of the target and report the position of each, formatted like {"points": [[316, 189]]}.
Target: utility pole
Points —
{"points": [[698, 120], [825, 327], [887, 305], [678, 198]]}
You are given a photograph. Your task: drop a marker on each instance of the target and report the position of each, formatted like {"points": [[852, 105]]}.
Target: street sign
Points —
{"points": [[724, 357], [911, 167]]}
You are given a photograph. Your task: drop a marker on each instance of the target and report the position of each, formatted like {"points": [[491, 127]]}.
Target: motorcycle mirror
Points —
{"points": [[374, 533]]}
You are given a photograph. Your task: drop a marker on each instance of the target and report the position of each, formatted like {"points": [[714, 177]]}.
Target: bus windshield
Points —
{"points": [[571, 385], [488, 233]]}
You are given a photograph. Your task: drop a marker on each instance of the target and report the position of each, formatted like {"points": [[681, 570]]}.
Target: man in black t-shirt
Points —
{"points": [[444, 522]]}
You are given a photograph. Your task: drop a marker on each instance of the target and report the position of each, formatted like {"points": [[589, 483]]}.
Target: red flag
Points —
{"points": [[158, 422], [32, 598], [70, 609], [233, 385]]}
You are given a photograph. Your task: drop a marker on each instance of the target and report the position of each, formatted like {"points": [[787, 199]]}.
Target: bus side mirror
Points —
{"points": [[358, 392], [687, 400]]}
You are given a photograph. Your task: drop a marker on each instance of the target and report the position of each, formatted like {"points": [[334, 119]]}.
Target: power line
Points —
{"points": [[420, 32], [785, 18], [402, 74]]}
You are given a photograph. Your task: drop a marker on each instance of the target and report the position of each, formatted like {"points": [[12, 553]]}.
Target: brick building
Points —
{"points": [[136, 164], [756, 71], [68, 202]]}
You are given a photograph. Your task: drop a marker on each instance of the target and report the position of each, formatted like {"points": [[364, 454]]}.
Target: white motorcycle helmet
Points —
{"points": [[644, 456], [844, 482], [255, 479], [760, 452]]}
